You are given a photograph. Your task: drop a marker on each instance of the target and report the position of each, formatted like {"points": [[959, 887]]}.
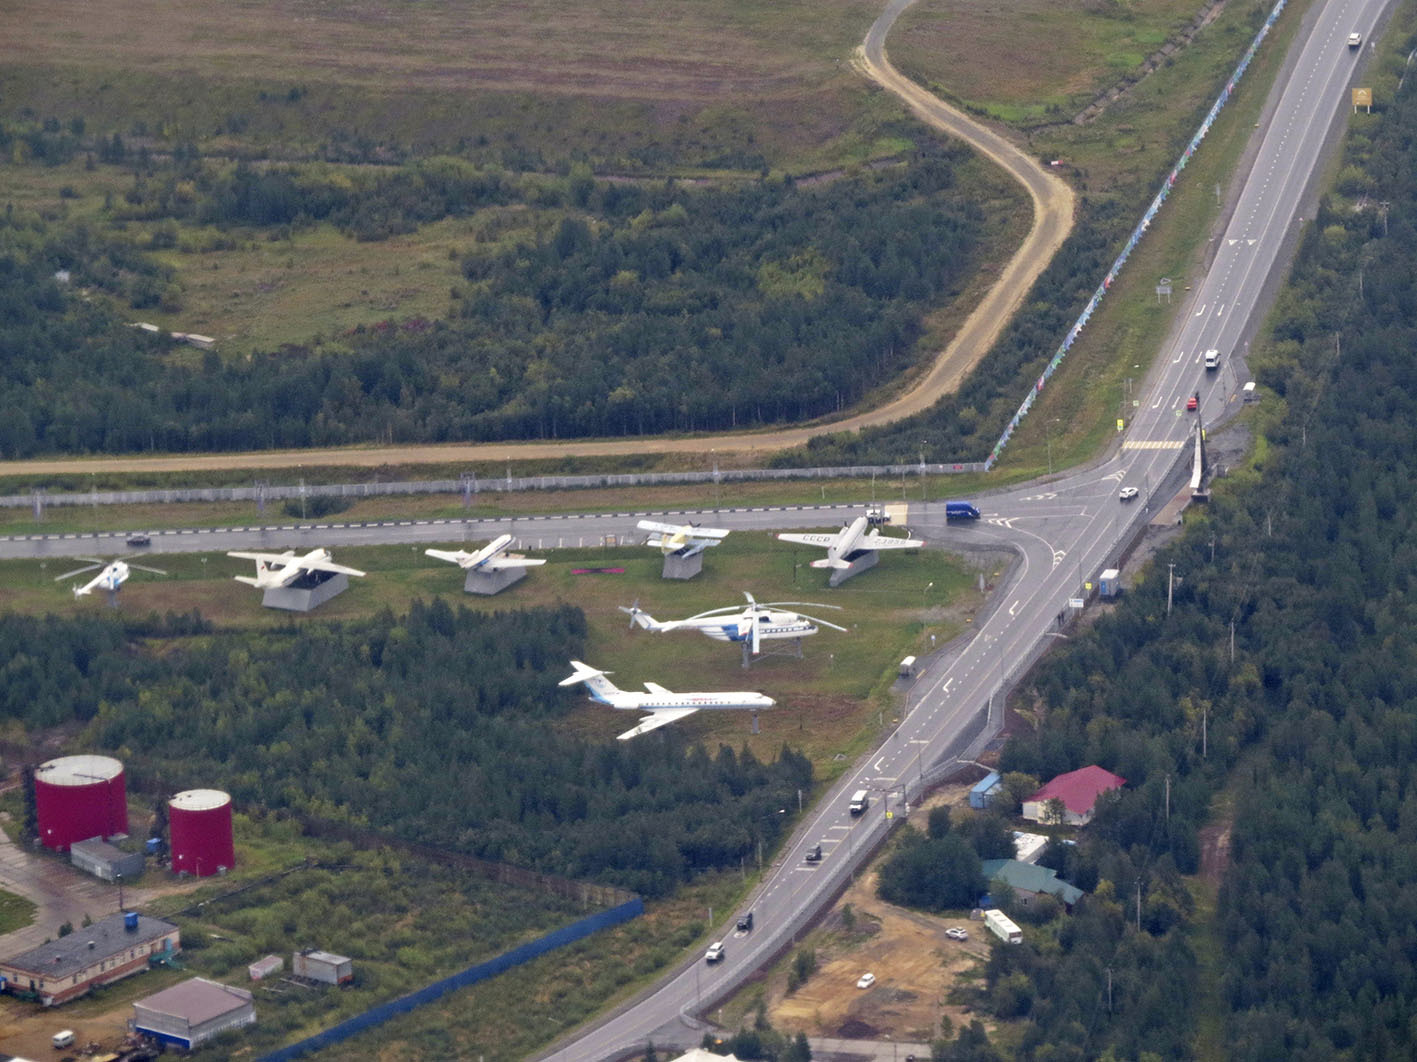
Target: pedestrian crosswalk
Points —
{"points": [[1153, 444]]}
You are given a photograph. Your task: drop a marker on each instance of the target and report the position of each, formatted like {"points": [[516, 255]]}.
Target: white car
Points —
{"points": [[867, 980], [955, 933], [715, 952], [1127, 493], [1355, 39]]}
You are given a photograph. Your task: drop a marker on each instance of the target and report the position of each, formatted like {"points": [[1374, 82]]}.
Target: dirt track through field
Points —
{"points": [[1053, 204]]}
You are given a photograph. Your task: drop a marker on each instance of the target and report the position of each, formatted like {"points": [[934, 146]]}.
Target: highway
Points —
{"points": [[1062, 531]]}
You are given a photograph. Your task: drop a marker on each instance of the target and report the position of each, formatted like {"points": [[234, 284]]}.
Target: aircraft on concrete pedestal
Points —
{"points": [[690, 538], [275, 570], [490, 558], [663, 705], [851, 539]]}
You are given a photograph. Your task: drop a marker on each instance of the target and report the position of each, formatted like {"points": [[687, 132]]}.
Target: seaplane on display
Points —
{"points": [[750, 624], [490, 558], [671, 538], [275, 570], [115, 573], [851, 539], [664, 706]]}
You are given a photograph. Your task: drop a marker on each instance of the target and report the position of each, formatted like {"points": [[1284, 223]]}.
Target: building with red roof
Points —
{"points": [[1078, 790]]}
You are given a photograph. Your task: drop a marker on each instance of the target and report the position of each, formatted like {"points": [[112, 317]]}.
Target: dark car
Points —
{"points": [[814, 854], [139, 540], [745, 924]]}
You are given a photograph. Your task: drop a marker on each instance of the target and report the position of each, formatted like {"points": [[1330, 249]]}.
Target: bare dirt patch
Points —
{"points": [[915, 964]]}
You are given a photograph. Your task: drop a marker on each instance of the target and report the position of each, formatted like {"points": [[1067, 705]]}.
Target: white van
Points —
{"points": [[64, 1038], [1212, 359], [860, 801]]}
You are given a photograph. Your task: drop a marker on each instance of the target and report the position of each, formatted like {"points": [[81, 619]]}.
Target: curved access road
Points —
{"points": [[1052, 221]]}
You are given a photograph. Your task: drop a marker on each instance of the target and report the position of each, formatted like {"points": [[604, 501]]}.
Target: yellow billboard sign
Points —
{"points": [[1362, 97]]}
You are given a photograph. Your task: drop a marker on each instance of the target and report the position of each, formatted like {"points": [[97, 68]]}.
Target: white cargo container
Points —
{"points": [[1003, 927], [322, 966]]}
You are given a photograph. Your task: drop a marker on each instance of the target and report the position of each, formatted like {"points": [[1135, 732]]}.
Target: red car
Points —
{"points": [[1193, 403]]}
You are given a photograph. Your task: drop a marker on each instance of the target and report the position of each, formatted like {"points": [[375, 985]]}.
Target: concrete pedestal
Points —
{"points": [[861, 561], [494, 582], [309, 591], [683, 565]]}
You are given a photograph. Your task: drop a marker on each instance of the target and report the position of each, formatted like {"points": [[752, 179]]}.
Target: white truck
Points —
{"points": [[1212, 359], [860, 801]]}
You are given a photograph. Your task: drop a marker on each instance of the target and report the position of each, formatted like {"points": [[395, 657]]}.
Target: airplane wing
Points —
{"points": [[452, 556], [656, 688], [307, 565], [656, 719], [496, 564], [823, 541], [270, 558], [656, 526], [875, 541]]}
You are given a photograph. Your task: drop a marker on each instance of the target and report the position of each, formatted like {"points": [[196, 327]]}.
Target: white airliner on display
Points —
{"points": [[850, 539], [664, 706], [734, 623], [673, 537], [490, 558], [115, 573], [274, 570]]}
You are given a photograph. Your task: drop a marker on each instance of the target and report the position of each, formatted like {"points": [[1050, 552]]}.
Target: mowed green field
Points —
{"points": [[829, 701]]}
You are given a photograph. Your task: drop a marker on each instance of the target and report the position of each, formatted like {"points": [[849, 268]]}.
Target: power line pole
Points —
{"points": [[1170, 584]]}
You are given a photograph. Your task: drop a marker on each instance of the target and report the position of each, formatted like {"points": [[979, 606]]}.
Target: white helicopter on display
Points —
{"points": [[275, 570], [751, 624], [115, 573], [671, 538], [663, 705], [490, 558], [849, 541]]}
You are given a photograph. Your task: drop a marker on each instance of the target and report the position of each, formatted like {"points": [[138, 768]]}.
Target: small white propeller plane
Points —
{"points": [[671, 538], [490, 558], [849, 540], [115, 573], [664, 706], [274, 570], [751, 623]]}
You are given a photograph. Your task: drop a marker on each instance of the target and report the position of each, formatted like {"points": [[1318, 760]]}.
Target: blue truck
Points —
{"points": [[960, 510]]}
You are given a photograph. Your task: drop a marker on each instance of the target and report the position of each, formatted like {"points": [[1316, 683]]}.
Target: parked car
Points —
{"points": [[814, 854], [1128, 493], [715, 952], [956, 933], [867, 980], [63, 1039]]}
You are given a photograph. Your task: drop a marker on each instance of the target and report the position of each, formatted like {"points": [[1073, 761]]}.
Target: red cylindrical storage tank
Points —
{"points": [[200, 821], [78, 797]]}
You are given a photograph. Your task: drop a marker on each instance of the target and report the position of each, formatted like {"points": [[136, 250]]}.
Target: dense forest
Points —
{"points": [[604, 308], [1277, 689], [441, 726]]}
